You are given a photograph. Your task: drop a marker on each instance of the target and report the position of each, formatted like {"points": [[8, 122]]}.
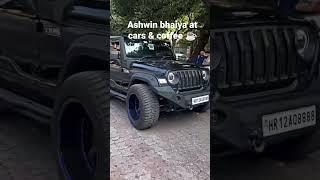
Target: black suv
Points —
{"points": [[53, 63], [146, 74], [265, 74]]}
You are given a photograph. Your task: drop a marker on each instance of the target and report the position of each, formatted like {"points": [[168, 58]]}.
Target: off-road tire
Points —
{"points": [[202, 108], [91, 90], [149, 106]]}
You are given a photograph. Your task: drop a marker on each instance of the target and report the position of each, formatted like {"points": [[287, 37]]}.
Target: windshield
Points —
{"points": [[147, 48]]}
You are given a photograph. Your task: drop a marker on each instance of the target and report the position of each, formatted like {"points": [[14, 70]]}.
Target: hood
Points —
{"points": [[282, 7], [96, 15], [96, 10], [163, 66], [226, 11], [243, 4]]}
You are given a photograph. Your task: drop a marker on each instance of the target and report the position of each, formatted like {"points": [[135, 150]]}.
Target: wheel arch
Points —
{"points": [[87, 53], [140, 78], [82, 63]]}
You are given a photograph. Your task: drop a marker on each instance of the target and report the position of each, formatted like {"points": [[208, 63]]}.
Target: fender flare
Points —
{"points": [[87, 46], [151, 80]]}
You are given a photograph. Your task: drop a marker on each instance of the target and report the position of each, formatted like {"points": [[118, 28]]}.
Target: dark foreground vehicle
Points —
{"points": [[265, 74], [146, 74], [53, 63]]}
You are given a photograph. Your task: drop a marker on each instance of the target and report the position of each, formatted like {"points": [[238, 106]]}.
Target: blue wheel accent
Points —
{"points": [[134, 107], [77, 152], [88, 149]]}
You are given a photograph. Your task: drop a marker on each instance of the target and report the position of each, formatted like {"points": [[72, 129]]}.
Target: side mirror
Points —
{"points": [[39, 27]]}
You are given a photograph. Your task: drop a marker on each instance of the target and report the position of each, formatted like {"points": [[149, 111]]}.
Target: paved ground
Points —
{"points": [[25, 152], [175, 147], [178, 147], [275, 165]]}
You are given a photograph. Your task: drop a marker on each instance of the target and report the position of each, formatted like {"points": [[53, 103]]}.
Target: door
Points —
{"points": [[19, 43], [52, 50], [51, 42], [115, 65], [119, 74]]}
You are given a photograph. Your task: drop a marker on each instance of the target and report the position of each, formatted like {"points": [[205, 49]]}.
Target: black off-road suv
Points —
{"points": [[53, 64], [264, 74], [146, 74]]}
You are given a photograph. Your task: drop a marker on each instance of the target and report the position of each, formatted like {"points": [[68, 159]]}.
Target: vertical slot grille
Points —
{"points": [[255, 59], [189, 79]]}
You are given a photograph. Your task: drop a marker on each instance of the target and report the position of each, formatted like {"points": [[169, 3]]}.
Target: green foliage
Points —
{"points": [[124, 11]]}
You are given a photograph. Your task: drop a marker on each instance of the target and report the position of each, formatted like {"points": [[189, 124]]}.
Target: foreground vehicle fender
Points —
{"points": [[82, 52], [151, 80]]}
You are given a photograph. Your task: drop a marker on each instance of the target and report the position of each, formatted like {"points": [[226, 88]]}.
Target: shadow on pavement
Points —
{"points": [[25, 149], [275, 164]]}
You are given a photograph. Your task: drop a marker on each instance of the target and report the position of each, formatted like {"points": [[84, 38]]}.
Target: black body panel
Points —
{"points": [[256, 71], [43, 46]]}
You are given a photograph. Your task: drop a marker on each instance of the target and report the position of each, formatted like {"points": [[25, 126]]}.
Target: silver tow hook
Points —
{"points": [[258, 145]]}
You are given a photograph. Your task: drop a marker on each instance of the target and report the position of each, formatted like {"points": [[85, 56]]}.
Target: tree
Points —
{"points": [[123, 11]]}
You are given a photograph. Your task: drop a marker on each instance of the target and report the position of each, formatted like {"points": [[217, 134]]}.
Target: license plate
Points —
{"points": [[199, 100], [285, 121]]}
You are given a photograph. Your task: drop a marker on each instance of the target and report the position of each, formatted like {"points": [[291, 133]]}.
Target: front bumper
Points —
{"points": [[238, 123], [183, 99]]}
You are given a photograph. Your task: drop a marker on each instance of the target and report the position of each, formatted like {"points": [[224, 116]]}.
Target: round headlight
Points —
{"points": [[305, 45], [172, 78], [205, 75], [301, 41]]}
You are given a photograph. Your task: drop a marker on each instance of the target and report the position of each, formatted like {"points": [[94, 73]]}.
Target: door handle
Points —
{"points": [[39, 27]]}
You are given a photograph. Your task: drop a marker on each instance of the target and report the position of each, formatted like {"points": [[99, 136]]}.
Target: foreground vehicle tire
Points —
{"points": [[202, 108], [80, 127], [142, 106]]}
